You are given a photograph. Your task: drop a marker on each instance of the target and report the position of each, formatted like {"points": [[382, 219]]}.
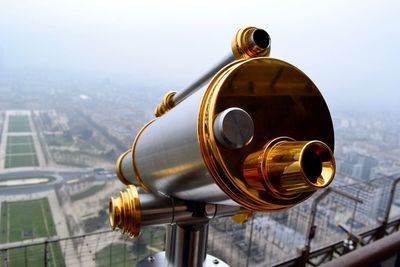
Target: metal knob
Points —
{"points": [[233, 128]]}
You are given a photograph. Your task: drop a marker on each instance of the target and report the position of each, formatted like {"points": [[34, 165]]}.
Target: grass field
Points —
{"points": [[20, 152], [87, 193], [28, 220], [18, 123], [150, 241]]}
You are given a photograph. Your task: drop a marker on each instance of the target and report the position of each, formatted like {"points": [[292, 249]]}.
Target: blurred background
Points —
{"points": [[78, 79]]}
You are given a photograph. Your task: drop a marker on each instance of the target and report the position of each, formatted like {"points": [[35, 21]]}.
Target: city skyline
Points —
{"points": [[349, 49]]}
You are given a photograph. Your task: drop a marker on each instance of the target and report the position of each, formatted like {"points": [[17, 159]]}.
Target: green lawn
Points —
{"points": [[20, 152], [27, 220], [20, 148], [116, 255], [150, 241], [32, 256], [19, 139], [59, 140], [87, 193], [21, 161], [24, 216], [18, 123]]}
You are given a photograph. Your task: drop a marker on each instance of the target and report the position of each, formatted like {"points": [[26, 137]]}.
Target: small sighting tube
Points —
{"points": [[183, 94], [247, 43], [290, 167], [251, 42]]}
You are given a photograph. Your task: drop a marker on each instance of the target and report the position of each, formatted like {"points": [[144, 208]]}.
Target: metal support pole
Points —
{"points": [[383, 250], [45, 253], [181, 95], [26, 256], [382, 232], [250, 240], [311, 227], [5, 252], [186, 245], [124, 255], [110, 261]]}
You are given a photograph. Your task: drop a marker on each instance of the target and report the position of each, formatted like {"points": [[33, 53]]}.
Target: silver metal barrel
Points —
{"points": [[168, 158]]}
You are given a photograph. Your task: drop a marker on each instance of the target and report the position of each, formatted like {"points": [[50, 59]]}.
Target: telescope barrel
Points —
{"points": [[182, 153], [257, 137]]}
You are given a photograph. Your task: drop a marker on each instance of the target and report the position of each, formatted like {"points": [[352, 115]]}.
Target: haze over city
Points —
{"points": [[349, 48]]}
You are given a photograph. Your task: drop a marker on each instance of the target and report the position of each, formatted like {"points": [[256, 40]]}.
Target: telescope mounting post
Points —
{"points": [[186, 245]]}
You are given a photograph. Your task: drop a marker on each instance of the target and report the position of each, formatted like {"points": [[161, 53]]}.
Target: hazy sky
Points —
{"points": [[349, 48]]}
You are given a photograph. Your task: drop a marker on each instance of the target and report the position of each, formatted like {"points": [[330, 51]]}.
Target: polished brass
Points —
{"points": [[124, 212], [130, 211], [242, 216], [282, 101], [250, 42], [166, 104], [134, 167], [287, 167], [138, 180], [118, 169]]}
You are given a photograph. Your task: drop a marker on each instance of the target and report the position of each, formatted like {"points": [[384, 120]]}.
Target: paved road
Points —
{"points": [[61, 175]]}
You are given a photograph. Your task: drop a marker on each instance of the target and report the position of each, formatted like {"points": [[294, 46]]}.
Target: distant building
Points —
{"points": [[357, 166]]}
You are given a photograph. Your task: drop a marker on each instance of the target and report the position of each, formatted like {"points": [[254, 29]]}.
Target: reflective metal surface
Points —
{"points": [[124, 212], [250, 42], [287, 167], [124, 169], [169, 160], [186, 245], [159, 260], [130, 211], [166, 104], [282, 101], [233, 128]]}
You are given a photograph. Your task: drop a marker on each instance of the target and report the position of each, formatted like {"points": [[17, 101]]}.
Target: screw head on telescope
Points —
{"points": [[233, 128]]}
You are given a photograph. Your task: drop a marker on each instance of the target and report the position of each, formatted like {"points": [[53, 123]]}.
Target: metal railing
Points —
{"points": [[331, 224]]}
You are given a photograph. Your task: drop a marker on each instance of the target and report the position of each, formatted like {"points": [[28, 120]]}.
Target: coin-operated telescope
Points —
{"points": [[254, 134]]}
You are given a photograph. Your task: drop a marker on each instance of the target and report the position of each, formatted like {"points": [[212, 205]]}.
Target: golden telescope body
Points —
{"points": [[257, 137]]}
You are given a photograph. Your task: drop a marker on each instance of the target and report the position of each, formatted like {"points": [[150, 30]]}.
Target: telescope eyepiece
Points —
{"points": [[261, 38], [311, 165], [286, 168], [251, 42]]}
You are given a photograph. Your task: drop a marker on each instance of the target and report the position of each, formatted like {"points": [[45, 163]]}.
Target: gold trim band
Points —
{"points": [[134, 167], [124, 212], [166, 104], [118, 168]]}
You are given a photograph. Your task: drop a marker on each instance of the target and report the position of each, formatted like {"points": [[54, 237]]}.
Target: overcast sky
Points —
{"points": [[350, 49]]}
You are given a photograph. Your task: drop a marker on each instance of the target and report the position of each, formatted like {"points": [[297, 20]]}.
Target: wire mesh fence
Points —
{"points": [[264, 240]]}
